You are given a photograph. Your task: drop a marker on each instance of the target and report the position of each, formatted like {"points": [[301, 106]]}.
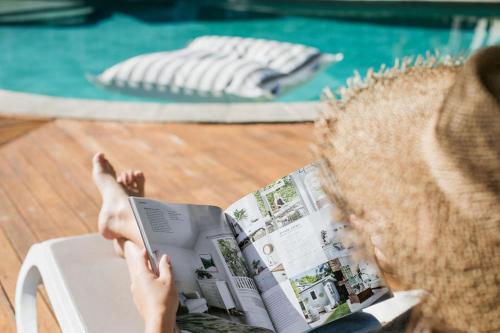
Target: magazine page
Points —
{"points": [[208, 266], [294, 251]]}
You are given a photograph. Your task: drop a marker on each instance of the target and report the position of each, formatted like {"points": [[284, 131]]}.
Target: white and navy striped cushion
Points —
{"points": [[280, 56], [217, 67]]}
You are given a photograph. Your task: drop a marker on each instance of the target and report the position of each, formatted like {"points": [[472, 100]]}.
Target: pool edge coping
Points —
{"points": [[27, 104]]}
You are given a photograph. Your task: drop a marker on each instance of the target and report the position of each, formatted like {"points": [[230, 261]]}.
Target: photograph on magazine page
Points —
{"points": [[294, 248]]}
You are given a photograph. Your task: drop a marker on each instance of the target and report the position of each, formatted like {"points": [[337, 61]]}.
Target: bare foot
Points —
{"points": [[118, 246], [116, 219]]}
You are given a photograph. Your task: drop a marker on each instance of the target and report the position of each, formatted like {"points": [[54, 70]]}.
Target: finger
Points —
{"points": [[143, 264], [165, 268]]}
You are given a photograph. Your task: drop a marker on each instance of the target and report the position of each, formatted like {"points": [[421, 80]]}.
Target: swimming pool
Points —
{"points": [[54, 60]]}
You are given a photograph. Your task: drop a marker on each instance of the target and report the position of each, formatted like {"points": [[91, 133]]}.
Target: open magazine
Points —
{"points": [[273, 259]]}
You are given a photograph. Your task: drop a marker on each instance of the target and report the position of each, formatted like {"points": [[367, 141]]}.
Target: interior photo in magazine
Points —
{"points": [[275, 259], [210, 271]]}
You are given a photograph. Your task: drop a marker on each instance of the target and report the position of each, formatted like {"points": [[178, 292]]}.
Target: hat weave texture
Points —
{"points": [[414, 151]]}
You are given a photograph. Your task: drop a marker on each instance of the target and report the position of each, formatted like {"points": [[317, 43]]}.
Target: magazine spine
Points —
{"points": [[149, 250]]}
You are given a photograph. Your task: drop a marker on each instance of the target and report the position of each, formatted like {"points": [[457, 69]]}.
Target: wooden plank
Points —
{"points": [[193, 167], [256, 144], [71, 157], [237, 156], [50, 202], [15, 127], [248, 154], [123, 140], [9, 268], [190, 161], [14, 226], [224, 153], [7, 318], [127, 152], [20, 238], [63, 184], [25, 203]]}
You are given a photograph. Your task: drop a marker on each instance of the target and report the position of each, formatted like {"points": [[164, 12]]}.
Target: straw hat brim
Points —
{"points": [[415, 151]]}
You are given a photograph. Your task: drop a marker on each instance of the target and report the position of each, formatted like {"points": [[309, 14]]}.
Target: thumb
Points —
{"points": [[142, 264], [165, 268]]}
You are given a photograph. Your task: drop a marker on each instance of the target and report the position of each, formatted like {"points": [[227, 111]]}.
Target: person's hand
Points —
{"points": [[156, 298]]}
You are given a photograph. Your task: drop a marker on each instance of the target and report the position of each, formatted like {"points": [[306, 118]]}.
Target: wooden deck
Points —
{"points": [[46, 189], [14, 127]]}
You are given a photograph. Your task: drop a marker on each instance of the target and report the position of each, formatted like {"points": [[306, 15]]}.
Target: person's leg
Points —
{"points": [[116, 219], [132, 254]]}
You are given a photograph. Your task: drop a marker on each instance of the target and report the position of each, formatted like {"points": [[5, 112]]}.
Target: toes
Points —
{"points": [[139, 182], [128, 178], [109, 167], [121, 177], [102, 165], [132, 182], [139, 175], [98, 157], [97, 162], [139, 178]]}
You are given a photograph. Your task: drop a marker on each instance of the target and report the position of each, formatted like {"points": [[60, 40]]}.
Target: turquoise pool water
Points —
{"points": [[54, 60]]}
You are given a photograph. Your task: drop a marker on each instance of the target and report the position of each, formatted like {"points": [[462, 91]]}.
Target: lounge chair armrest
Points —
{"points": [[26, 291]]}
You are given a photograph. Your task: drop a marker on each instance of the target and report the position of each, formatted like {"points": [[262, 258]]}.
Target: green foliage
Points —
{"points": [[260, 203], [202, 274], [340, 311], [240, 214], [270, 199], [232, 256], [296, 289], [319, 273], [256, 267], [308, 279], [287, 192]]}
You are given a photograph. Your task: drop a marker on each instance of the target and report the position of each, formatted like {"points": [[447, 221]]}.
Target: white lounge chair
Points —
{"points": [[89, 288], [87, 284]]}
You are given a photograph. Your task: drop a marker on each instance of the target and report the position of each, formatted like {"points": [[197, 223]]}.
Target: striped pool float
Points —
{"points": [[217, 68]]}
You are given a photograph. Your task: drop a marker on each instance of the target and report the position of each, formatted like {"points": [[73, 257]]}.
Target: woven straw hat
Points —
{"points": [[414, 152]]}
